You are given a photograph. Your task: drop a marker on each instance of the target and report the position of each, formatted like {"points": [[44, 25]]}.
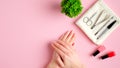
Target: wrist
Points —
{"points": [[79, 66]]}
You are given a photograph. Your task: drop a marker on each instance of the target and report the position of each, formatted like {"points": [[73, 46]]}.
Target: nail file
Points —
{"points": [[103, 26], [108, 27], [97, 19]]}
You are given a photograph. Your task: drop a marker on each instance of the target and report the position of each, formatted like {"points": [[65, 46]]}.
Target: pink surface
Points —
{"points": [[27, 27]]}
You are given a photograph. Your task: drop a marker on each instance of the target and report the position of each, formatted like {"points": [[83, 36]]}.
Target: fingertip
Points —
{"points": [[71, 32], [52, 45], [73, 35], [61, 37], [66, 35], [67, 32]]}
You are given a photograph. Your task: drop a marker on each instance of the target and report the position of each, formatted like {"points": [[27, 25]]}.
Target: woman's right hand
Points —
{"points": [[66, 51]]}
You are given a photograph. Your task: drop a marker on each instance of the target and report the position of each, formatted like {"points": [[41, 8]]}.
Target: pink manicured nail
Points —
{"points": [[73, 44]]}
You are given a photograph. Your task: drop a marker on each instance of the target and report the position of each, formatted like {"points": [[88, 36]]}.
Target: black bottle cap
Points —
{"points": [[95, 53], [104, 57]]}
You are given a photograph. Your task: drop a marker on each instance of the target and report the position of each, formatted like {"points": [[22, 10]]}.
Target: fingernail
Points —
{"points": [[73, 44]]}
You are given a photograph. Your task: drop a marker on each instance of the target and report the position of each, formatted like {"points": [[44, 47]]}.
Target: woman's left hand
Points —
{"points": [[67, 37]]}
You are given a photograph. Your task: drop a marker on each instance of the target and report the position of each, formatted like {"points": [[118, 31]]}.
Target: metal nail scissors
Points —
{"points": [[88, 20]]}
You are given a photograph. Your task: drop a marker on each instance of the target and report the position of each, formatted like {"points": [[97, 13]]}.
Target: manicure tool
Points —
{"points": [[103, 26], [106, 18], [97, 19], [88, 20], [108, 27]]}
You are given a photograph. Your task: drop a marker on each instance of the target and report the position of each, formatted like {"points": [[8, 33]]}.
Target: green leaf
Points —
{"points": [[71, 8]]}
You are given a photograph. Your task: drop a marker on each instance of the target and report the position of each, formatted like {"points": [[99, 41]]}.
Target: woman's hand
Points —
{"points": [[68, 37], [53, 63], [68, 54]]}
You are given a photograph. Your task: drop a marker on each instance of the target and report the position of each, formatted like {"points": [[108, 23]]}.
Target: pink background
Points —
{"points": [[28, 26]]}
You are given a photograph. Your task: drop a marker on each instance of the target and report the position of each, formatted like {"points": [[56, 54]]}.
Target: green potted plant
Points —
{"points": [[71, 8]]}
